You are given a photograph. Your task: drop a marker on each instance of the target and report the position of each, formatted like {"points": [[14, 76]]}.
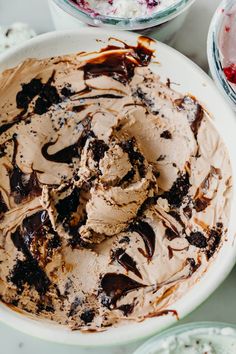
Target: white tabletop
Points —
{"points": [[221, 305]]}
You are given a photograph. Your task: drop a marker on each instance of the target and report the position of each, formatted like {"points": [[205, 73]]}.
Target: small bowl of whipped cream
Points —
{"points": [[193, 338], [222, 49], [160, 19]]}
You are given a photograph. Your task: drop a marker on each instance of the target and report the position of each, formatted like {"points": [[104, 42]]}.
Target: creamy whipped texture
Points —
{"points": [[198, 341], [124, 8], [15, 34], [114, 189], [227, 43]]}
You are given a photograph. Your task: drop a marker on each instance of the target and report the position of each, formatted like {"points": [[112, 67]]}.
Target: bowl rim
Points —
{"points": [[136, 23], [198, 293], [213, 53], [178, 330]]}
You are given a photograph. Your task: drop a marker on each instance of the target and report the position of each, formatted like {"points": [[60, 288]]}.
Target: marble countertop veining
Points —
{"points": [[191, 41]]}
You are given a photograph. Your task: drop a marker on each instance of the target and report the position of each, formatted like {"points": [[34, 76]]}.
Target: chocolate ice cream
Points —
{"points": [[114, 189]]}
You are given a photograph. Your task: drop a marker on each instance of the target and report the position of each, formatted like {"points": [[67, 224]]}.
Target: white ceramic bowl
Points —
{"points": [[192, 80]]}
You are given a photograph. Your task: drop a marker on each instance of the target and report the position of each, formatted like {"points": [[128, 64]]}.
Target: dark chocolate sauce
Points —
{"points": [[120, 65], [126, 261], [80, 108], [146, 204], [6, 126], [105, 95], [27, 271], [23, 185], [170, 234], [170, 252], [147, 234], [65, 207], [65, 155], [116, 286]]}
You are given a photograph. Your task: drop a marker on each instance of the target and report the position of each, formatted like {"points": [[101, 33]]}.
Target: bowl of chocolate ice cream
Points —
{"points": [[116, 181]]}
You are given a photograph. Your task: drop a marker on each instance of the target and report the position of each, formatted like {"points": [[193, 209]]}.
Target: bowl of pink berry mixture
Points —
{"points": [[160, 19], [222, 49]]}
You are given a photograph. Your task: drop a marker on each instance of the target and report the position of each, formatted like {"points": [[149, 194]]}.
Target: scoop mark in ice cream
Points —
{"points": [[103, 188]]}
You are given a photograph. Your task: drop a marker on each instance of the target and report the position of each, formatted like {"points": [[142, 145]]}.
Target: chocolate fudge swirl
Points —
{"points": [[114, 189]]}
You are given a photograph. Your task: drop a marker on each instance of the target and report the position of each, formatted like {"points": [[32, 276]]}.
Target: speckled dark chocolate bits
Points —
{"points": [[197, 239], [87, 316], [98, 148], [28, 92], [135, 156], [47, 95], [166, 134], [178, 191], [215, 236]]}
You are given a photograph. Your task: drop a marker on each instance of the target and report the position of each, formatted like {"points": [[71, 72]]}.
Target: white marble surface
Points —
{"points": [[191, 40]]}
